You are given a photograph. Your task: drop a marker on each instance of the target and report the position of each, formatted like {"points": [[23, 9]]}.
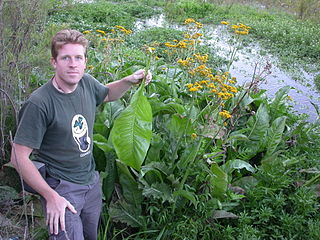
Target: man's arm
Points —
{"points": [[118, 88], [56, 204]]}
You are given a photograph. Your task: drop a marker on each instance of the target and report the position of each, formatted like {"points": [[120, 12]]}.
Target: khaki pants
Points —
{"points": [[87, 200]]}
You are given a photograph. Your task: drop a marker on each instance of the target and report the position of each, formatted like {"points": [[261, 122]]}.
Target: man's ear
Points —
{"points": [[53, 62]]}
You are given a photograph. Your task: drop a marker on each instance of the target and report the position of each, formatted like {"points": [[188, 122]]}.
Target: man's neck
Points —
{"points": [[63, 88]]}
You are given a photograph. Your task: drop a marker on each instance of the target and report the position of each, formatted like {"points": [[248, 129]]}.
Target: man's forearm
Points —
{"points": [[118, 88], [30, 174]]}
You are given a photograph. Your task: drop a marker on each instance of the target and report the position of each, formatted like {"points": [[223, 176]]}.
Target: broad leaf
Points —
{"points": [[132, 131], [160, 191], [275, 134], [186, 194], [130, 189], [219, 181], [102, 143], [223, 214], [259, 124], [125, 213], [236, 164], [179, 125]]}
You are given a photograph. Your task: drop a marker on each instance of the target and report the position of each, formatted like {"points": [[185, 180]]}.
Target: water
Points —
{"points": [[245, 62]]}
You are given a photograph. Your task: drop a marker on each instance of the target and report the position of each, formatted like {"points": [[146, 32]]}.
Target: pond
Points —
{"points": [[303, 94]]}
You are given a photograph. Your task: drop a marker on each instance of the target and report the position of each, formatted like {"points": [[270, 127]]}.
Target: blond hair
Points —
{"points": [[67, 36]]}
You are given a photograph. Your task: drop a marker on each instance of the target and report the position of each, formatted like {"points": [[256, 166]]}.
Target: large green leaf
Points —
{"points": [[236, 164], [160, 191], [259, 124], [273, 139], [126, 213], [275, 134], [132, 131], [277, 107], [130, 189], [219, 181]]}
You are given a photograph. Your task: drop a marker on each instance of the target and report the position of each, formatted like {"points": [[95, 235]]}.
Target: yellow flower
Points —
{"points": [[194, 136], [224, 22], [184, 63], [86, 32], [151, 49], [225, 114], [199, 25], [290, 98], [90, 67], [189, 85], [193, 89], [197, 35], [189, 20], [101, 31]]}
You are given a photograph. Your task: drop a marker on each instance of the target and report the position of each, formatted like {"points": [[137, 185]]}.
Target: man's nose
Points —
{"points": [[73, 62]]}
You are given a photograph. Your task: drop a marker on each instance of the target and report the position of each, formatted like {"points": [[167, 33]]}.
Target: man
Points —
{"points": [[57, 121]]}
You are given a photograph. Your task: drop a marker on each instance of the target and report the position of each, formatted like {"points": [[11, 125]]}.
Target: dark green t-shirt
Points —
{"points": [[60, 127]]}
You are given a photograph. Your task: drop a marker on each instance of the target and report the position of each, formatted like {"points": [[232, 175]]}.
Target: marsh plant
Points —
{"points": [[181, 156]]}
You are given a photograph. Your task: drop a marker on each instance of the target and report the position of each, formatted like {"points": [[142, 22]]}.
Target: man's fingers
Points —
{"points": [[62, 221], [56, 224], [71, 207]]}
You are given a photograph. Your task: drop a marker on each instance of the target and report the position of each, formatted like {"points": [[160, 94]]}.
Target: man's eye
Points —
{"points": [[79, 57], [65, 58]]}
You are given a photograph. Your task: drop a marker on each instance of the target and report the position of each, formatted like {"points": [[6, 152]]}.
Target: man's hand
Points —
{"points": [[138, 76], [56, 208]]}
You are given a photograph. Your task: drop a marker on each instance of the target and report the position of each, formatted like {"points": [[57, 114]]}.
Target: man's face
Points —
{"points": [[70, 64]]}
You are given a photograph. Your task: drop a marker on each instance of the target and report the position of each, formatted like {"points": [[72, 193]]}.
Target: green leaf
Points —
{"points": [[223, 214], [186, 194], [132, 131], [219, 181], [179, 126], [159, 107], [151, 169], [108, 182], [236, 164], [8, 193], [130, 189], [275, 134], [259, 124], [277, 102], [160, 191], [125, 213], [102, 143]]}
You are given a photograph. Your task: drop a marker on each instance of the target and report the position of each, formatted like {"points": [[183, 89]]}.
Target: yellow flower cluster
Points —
{"points": [[124, 30], [192, 21], [201, 59], [225, 114], [185, 63], [240, 28], [180, 44], [224, 22], [218, 84], [101, 31]]}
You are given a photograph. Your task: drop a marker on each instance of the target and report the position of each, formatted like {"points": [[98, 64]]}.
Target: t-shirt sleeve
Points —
{"points": [[31, 127], [100, 90]]}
